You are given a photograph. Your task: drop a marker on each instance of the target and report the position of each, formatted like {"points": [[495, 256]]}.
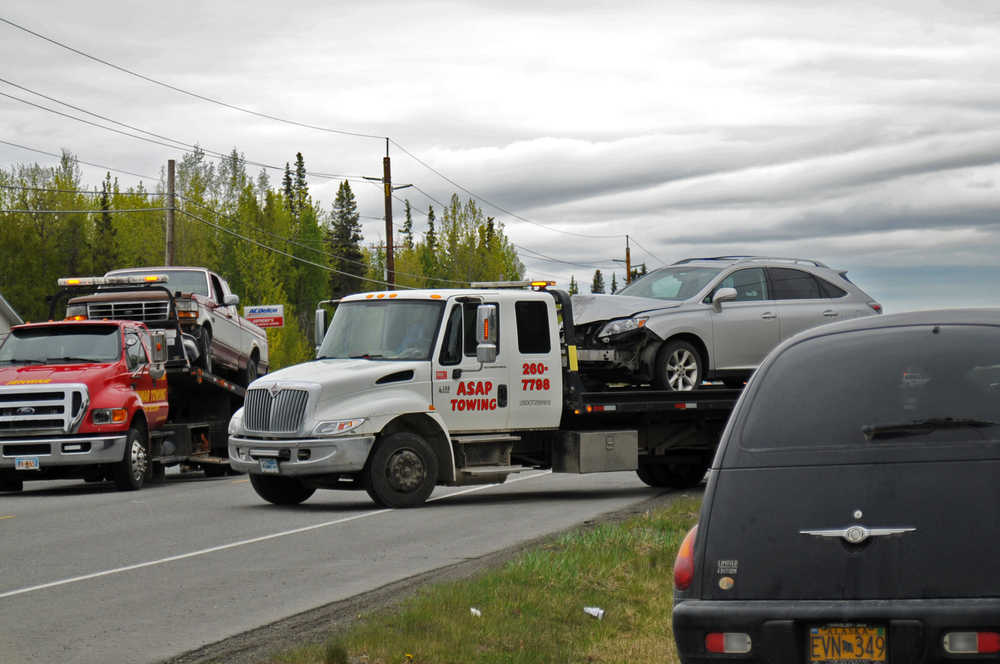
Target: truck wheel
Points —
{"points": [[11, 484], [671, 475], [129, 474], [205, 350], [215, 469], [280, 490], [249, 373], [402, 472], [679, 367]]}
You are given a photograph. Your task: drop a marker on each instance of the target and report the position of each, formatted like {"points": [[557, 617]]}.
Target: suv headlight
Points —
{"points": [[337, 427], [236, 422], [621, 326]]}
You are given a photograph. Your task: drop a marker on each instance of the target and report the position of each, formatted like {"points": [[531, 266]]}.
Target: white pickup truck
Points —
{"points": [[206, 308], [412, 389]]}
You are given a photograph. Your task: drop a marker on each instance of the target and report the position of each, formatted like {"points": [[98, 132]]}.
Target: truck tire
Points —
{"points": [[280, 490], [679, 367], [671, 475], [249, 373], [402, 471], [129, 474], [205, 350], [215, 469]]}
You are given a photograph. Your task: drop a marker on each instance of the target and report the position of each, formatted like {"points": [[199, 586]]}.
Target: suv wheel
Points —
{"points": [[679, 367]]}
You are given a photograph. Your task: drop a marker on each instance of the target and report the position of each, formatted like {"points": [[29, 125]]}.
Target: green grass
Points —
{"points": [[532, 607]]}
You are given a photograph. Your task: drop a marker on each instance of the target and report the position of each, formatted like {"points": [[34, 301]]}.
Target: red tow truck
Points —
{"points": [[107, 400]]}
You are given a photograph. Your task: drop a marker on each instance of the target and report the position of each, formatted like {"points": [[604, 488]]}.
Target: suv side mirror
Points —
{"points": [[721, 296], [486, 333], [230, 300]]}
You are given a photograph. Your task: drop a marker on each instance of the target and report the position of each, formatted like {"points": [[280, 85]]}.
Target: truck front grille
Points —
{"points": [[280, 413], [147, 310], [42, 409]]}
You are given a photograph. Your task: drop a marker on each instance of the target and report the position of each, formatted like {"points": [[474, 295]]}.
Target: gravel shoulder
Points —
{"points": [[258, 645]]}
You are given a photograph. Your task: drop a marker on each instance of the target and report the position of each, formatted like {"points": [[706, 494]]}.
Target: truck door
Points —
{"points": [[470, 398], [226, 323], [153, 393], [536, 370]]}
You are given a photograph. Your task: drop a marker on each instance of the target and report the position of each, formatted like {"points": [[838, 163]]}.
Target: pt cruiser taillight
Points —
{"points": [[684, 565]]}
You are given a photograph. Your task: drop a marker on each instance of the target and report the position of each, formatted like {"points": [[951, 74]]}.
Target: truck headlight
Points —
{"points": [[76, 312], [621, 326], [186, 308], [108, 415], [337, 427], [236, 422]]}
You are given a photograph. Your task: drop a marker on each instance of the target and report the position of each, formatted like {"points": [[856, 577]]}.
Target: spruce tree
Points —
{"points": [[408, 226], [300, 187], [597, 285], [614, 283], [344, 243], [574, 287], [286, 187], [105, 242]]}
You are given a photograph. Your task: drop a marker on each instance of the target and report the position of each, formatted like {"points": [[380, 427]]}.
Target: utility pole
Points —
{"points": [[169, 258], [386, 179], [628, 262]]}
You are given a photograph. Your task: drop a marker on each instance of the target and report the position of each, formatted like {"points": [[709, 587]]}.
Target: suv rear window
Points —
{"points": [[875, 392]]}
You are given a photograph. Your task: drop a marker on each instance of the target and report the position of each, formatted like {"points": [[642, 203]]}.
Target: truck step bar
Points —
{"points": [[485, 438], [493, 470]]}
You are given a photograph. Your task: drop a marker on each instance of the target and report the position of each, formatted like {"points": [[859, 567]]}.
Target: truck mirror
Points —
{"points": [[231, 300], [320, 327], [158, 346], [486, 333], [721, 296]]}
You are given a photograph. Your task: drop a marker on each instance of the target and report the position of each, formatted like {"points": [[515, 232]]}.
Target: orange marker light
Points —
{"points": [[435, 297], [381, 295]]}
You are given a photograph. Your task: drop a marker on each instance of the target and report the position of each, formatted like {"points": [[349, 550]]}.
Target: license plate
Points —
{"points": [[269, 466], [856, 644], [26, 463]]}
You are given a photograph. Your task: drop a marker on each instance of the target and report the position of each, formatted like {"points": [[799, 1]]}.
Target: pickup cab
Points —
{"points": [[206, 308], [80, 399]]}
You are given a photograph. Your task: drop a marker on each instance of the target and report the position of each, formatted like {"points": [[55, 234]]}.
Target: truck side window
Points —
{"points": [[470, 328], [135, 354], [532, 327], [451, 348], [217, 291]]}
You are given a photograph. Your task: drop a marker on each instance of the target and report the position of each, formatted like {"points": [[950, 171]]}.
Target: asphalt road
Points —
{"points": [[90, 574]]}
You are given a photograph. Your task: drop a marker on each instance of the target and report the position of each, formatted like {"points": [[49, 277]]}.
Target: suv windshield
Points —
{"points": [[875, 389], [185, 281], [672, 283], [383, 330], [47, 345]]}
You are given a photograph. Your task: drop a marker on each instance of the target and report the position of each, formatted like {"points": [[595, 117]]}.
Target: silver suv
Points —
{"points": [[708, 319]]}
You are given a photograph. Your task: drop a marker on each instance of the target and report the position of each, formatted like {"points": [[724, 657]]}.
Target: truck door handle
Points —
{"points": [[830, 313], [501, 396], [768, 315]]}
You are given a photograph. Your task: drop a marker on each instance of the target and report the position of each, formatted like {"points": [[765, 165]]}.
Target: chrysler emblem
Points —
{"points": [[857, 533], [274, 388]]}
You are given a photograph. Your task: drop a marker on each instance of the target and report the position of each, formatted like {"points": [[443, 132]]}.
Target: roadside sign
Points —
{"points": [[265, 315]]}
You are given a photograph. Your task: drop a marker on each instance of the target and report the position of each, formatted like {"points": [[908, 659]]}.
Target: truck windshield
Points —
{"points": [[383, 330], [185, 281], [672, 283], [48, 345]]}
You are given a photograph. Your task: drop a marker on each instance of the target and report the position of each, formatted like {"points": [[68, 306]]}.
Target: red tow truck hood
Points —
{"points": [[91, 374]]}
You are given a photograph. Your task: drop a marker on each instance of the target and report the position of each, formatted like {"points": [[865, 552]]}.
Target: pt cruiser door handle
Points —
{"points": [[768, 315]]}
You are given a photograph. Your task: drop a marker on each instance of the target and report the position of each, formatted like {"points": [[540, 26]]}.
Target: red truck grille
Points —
{"points": [[42, 409]]}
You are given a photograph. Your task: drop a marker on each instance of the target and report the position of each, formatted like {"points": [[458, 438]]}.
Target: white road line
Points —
{"points": [[233, 545]]}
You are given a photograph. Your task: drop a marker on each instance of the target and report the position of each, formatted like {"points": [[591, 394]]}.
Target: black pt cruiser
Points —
{"points": [[852, 512]]}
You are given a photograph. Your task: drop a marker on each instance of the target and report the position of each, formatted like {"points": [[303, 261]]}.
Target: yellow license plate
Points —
{"points": [[856, 644]]}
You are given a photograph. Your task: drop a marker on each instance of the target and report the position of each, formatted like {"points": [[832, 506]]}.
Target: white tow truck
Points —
{"points": [[413, 389]]}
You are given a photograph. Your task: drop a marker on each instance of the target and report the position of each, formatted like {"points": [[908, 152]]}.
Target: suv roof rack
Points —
{"points": [[740, 259]]}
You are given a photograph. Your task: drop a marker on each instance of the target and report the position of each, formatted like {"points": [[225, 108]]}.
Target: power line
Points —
{"points": [[542, 256], [98, 211], [187, 92], [86, 163], [632, 238], [308, 126]]}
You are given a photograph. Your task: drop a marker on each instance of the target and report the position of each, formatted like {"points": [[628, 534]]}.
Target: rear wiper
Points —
{"points": [[915, 427]]}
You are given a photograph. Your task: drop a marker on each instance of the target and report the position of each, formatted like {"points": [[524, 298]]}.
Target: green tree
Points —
{"points": [[597, 285], [105, 248], [408, 226], [287, 189], [614, 283], [574, 287], [344, 244], [300, 189]]}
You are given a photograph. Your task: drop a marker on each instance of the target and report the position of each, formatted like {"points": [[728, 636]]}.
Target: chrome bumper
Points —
{"points": [[301, 456], [64, 451]]}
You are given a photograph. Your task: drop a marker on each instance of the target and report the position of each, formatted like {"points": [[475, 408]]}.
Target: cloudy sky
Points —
{"points": [[862, 134]]}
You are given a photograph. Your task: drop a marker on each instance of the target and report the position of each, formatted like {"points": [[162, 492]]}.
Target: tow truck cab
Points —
{"points": [[79, 399], [411, 389]]}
